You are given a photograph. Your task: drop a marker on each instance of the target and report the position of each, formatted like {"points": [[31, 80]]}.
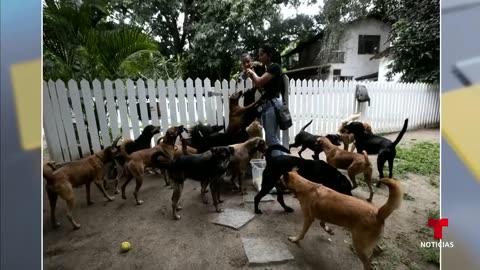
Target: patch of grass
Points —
{"points": [[422, 159], [388, 260], [408, 197], [433, 213], [430, 255]]}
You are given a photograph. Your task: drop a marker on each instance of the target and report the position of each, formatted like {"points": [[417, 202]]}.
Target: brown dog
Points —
{"points": [[236, 114], [347, 138], [139, 160], [255, 129], [354, 163], [240, 160], [62, 180], [365, 221]]}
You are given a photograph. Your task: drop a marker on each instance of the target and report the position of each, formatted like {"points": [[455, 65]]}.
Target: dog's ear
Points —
{"points": [[231, 150]]}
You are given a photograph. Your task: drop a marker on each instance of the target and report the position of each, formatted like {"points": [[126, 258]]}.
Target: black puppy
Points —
{"points": [[375, 144], [317, 171], [208, 168], [307, 140], [204, 137], [142, 142]]}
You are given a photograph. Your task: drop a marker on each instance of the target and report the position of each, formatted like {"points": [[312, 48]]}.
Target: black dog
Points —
{"points": [[375, 144], [204, 137], [317, 171], [208, 168], [307, 140], [142, 142]]}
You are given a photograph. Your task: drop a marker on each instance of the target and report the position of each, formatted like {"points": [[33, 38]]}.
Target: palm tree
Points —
{"points": [[80, 43]]}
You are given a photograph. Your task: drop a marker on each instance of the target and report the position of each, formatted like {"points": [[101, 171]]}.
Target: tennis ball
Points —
{"points": [[126, 246]]}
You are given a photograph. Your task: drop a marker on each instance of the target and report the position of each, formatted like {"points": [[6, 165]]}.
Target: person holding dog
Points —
{"points": [[272, 83]]}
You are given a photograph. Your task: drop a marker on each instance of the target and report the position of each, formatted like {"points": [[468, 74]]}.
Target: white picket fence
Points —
{"points": [[70, 113]]}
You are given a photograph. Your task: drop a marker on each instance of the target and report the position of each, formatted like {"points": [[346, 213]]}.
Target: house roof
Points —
{"points": [[304, 44], [306, 68], [368, 76]]}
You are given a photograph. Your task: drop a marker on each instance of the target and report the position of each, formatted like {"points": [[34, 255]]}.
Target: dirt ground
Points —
{"points": [[159, 242]]}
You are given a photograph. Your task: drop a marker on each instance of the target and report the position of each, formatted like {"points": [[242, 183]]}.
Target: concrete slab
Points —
{"points": [[263, 251], [250, 198], [233, 218]]}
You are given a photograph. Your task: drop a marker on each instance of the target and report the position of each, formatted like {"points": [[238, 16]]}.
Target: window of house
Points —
{"points": [[294, 60], [368, 44], [337, 72]]}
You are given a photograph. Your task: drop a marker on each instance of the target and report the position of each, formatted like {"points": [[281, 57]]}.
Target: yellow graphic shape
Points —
{"points": [[27, 92], [460, 117]]}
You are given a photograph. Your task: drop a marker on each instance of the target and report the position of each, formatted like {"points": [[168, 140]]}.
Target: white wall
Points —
{"points": [[383, 70], [357, 65]]}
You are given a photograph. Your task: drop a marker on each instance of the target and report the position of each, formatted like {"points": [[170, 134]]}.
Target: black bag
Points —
{"points": [[284, 118], [361, 94]]}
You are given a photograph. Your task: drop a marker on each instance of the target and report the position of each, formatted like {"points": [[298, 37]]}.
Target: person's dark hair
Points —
{"points": [[245, 55], [275, 56]]}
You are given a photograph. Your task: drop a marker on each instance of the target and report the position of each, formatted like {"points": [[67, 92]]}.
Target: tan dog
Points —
{"points": [[255, 129], [240, 160], [62, 180], [138, 161], [348, 139], [236, 113], [365, 221], [354, 163], [176, 154]]}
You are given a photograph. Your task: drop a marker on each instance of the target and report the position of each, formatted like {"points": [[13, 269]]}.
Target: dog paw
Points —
{"points": [[330, 231], [293, 239], [177, 217], [244, 193], [220, 210], [117, 191], [56, 225], [179, 208], [206, 201], [220, 201], [258, 211], [140, 202], [369, 200], [111, 199], [288, 210], [89, 203], [76, 226], [205, 191]]}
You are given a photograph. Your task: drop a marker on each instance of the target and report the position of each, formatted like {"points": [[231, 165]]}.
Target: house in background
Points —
{"points": [[357, 57]]}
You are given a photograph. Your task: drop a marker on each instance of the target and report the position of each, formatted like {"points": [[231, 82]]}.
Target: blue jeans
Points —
{"points": [[270, 124]]}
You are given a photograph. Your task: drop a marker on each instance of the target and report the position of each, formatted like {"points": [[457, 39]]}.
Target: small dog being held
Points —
{"points": [[62, 180], [307, 140], [208, 168], [138, 161], [347, 138], [354, 163], [365, 221], [240, 160], [375, 144], [317, 171]]}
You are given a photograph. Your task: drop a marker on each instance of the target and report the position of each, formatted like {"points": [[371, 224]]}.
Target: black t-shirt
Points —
{"points": [[273, 88]]}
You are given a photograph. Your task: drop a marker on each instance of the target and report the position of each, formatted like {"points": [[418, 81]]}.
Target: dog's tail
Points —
{"points": [[365, 155], [124, 147], [394, 201], [115, 142], [48, 169], [400, 136], [308, 124], [268, 153]]}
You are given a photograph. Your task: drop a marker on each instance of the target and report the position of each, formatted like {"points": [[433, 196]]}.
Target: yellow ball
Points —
{"points": [[126, 246]]}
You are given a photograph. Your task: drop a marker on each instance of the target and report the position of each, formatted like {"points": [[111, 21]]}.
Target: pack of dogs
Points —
{"points": [[208, 155]]}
